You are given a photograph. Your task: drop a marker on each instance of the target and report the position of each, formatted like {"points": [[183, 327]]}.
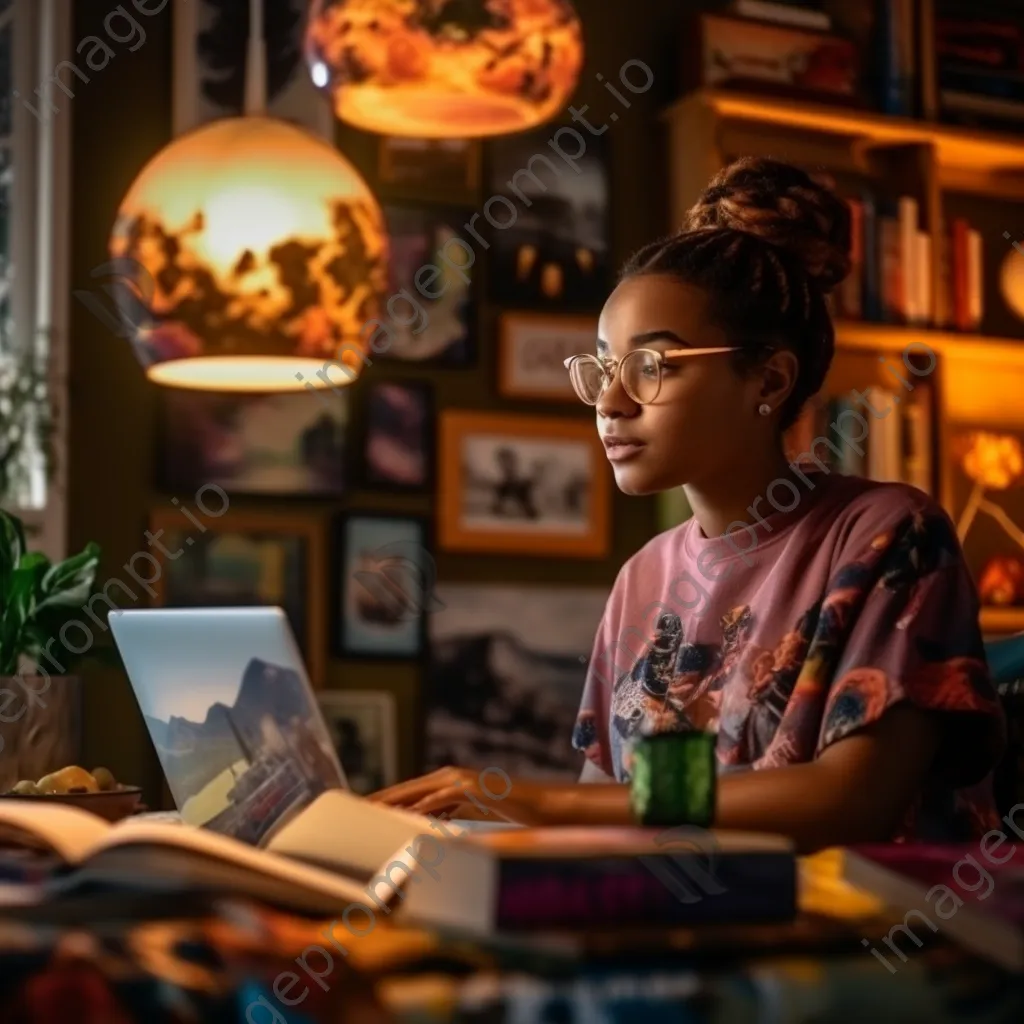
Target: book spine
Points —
{"points": [[923, 263], [647, 891], [891, 269], [872, 300], [917, 452], [851, 291], [960, 275], [907, 296], [782, 14], [975, 280]]}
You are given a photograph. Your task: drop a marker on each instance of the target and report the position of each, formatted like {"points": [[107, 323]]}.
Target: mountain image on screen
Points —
{"points": [[245, 768]]}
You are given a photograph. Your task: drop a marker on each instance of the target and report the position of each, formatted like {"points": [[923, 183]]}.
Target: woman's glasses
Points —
{"points": [[640, 372]]}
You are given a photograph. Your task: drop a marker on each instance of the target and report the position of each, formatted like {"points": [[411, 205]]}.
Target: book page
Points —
{"points": [[223, 848], [349, 833], [68, 831]]}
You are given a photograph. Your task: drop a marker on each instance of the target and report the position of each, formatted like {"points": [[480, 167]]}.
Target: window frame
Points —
{"points": [[40, 234]]}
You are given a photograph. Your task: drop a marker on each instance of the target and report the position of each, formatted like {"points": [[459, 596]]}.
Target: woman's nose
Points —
{"points": [[615, 402]]}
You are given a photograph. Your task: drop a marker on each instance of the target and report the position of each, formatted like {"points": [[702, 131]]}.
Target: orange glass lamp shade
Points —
{"points": [[260, 255], [445, 69]]}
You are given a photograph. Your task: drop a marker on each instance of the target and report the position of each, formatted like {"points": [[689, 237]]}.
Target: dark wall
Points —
{"points": [[122, 117]]}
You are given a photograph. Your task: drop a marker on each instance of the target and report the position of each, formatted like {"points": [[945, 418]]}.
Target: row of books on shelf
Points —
{"points": [[891, 279], [887, 436]]}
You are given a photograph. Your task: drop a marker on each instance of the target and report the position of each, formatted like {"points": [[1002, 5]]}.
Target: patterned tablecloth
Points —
{"points": [[180, 958]]}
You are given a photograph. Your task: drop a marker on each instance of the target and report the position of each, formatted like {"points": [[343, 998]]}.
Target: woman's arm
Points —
{"points": [[857, 790]]}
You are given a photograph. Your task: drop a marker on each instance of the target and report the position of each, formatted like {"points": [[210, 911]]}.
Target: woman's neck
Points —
{"points": [[737, 497]]}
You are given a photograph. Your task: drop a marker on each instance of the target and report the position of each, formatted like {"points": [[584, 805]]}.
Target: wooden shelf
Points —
{"points": [[962, 348], [1002, 620], [955, 147]]}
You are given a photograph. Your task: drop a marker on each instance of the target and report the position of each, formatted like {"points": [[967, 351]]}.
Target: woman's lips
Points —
{"points": [[620, 449]]}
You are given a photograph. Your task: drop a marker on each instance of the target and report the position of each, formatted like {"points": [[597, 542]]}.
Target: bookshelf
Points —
{"points": [[975, 375]]}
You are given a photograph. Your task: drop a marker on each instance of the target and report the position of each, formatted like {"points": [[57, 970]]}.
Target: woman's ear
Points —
{"points": [[778, 377]]}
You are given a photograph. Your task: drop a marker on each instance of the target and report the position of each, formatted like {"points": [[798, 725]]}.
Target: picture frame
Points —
{"points": [[532, 349], [363, 726], [398, 449], [545, 634], [281, 445], [260, 559], [435, 323], [550, 227], [443, 166], [487, 504], [383, 587], [210, 49]]}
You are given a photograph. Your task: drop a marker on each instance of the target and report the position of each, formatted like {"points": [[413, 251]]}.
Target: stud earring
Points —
{"points": [[764, 409]]}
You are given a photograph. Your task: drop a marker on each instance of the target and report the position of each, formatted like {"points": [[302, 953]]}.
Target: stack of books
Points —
{"points": [[892, 273], [898, 445]]}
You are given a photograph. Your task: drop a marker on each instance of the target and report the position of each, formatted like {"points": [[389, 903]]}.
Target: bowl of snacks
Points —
{"points": [[97, 791]]}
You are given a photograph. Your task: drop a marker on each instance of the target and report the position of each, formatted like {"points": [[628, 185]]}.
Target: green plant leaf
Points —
{"points": [[69, 583], [12, 547]]}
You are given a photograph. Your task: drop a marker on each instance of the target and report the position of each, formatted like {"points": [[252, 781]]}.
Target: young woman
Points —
{"points": [[824, 626]]}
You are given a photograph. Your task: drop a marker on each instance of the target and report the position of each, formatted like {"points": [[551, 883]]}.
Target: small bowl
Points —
{"points": [[111, 805]]}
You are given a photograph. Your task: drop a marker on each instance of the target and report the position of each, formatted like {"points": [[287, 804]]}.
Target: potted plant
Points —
{"points": [[40, 720]]}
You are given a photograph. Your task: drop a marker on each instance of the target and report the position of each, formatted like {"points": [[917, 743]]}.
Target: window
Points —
{"points": [[35, 35]]}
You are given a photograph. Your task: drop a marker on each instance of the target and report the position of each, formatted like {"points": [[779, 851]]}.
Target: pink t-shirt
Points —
{"points": [[787, 636]]}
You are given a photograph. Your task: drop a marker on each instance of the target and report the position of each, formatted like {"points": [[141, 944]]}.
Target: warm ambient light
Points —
{"points": [[260, 254], [435, 70]]}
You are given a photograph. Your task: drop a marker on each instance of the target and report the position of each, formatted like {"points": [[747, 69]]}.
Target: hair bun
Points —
{"points": [[785, 207]]}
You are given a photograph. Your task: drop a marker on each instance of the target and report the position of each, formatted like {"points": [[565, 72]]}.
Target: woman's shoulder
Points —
{"points": [[860, 505]]}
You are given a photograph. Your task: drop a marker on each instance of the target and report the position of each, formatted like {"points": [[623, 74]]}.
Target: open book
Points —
{"points": [[343, 852]]}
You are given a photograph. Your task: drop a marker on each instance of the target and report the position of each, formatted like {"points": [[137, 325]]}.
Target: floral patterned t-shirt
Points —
{"points": [[786, 636]]}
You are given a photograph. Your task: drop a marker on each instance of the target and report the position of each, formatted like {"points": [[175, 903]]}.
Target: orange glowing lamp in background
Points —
{"points": [[261, 254], [445, 68]]}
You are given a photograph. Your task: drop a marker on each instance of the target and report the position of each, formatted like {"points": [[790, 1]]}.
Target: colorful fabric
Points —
{"points": [[789, 636]]}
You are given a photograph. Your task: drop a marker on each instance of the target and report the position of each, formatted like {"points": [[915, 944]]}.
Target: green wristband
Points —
{"points": [[673, 779]]}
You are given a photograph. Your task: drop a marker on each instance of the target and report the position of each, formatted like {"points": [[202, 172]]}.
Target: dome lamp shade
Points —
{"points": [[445, 68], [259, 254]]}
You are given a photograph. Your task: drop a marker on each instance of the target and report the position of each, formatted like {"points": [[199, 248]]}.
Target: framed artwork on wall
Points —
{"points": [[505, 674], [210, 44], [384, 586], [398, 447], [286, 444], [522, 485], [431, 305], [548, 223], [532, 352], [987, 492], [445, 166], [363, 727], [241, 558]]}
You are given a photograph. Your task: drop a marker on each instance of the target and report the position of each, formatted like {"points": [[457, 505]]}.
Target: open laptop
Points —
{"points": [[232, 715]]}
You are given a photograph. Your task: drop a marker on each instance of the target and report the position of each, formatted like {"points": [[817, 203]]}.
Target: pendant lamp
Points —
{"points": [[259, 252], [445, 68]]}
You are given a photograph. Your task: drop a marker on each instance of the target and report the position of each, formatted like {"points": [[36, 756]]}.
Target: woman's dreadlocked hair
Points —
{"points": [[768, 244]]}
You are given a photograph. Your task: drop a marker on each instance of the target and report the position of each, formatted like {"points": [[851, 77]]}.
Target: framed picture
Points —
{"points": [[533, 349], [384, 587], [240, 558], [506, 672], [210, 48], [362, 724], [431, 284], [549, 234], [987, 492], [398, 449], [445, 166], [287, 444], [522, 484]]}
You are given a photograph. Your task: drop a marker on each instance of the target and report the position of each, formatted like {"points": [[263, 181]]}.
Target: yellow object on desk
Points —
{"points": [[823, 890]]}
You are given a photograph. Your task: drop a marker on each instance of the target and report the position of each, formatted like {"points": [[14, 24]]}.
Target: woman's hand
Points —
{"points": [[493, 795], [485, 795]]}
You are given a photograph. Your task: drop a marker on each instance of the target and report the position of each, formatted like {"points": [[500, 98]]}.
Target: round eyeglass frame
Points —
{"points": [[611, 367]]}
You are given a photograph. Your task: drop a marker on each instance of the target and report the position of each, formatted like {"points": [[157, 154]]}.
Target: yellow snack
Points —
{"points": [[104, 779], [26, 787], [66, 779]]}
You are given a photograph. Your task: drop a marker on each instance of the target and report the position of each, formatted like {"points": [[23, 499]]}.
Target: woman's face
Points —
{"points": [[705, 417]]}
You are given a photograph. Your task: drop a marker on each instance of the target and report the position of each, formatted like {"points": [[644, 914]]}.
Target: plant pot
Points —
{"points": [[40, 726]]}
